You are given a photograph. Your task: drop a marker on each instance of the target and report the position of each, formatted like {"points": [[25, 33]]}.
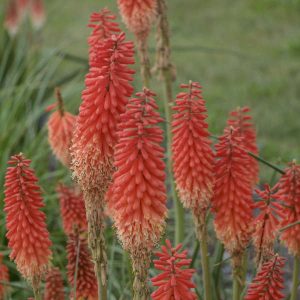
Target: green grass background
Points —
{"points": [[242, 52]]}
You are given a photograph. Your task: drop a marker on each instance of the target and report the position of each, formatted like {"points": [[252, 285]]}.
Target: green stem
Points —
{"points": [[218, 258], [236, 288], [205, 265], [37, 294], [295, 278]]}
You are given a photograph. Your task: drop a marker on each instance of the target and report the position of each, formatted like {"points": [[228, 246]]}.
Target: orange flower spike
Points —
{"points": [[232, 200], [37, 13], [86, 283], [175, 282], [241, 120], [289, 191], [12, 18], [138, 15], [72, 209], [60, 130], [54, 288], [137, 197], [138, 193], [269, 282], [193, 158], [103, 26], [266, 224], [4, 276], [27, 232], [104, 99]]}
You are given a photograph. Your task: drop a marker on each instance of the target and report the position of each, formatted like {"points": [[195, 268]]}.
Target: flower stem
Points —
{"points": [[37, 293], [236, 288], [165, 69], [144, 60], [201, 231], [295, 278]]}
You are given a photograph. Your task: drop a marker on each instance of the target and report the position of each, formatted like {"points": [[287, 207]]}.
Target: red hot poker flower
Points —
{"points": [[193, 159], [289, 191], [137, 197], [37, 13], [27, 232], [103, 26], [72, 209], [60, 131], [54, 289], [266, 224], [104, 99], [176, 280], [241, 120], [232, 200], [268, 283], [4, 276], [86, 284], [12, 18], [138, 15]]}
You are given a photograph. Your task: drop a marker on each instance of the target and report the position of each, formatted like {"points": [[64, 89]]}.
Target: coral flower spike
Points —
{"points": [[60, 130], [12, 18], [4, 277], [79, 258], [193, 158], [37, 13], [268, 283], [72, 209], [232, 200], [137, 197], [241, 120], [27, 233], [289, 191], [54, 289], [266, 224], [175, 281]]}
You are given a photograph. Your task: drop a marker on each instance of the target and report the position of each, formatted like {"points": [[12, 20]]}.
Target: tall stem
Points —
{"points": [[236, 290], [95, 217], [36, 287], [165, 70], [144, 60], [218, 258], [295, 278], [200, 224], [238, 274]]}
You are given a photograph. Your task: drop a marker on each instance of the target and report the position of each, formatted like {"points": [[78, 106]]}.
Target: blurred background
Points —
{"points": [[242, 52]]}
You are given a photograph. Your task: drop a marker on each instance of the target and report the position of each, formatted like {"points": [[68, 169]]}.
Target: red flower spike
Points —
{"points": [[241, 120], [193, 158], [12, 18], [72, 209], [37, 13], [232, 200], [175, 282], [103, 26], [137, 197], [138, 15], [289, 191], [104, 99], [266, 224], [4, 276], [86, 284], [27, 232], [54, 288], [60, 131], [269, 282]]}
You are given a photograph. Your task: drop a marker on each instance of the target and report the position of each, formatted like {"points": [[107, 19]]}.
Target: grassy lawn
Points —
{"points": [[242, 52]]}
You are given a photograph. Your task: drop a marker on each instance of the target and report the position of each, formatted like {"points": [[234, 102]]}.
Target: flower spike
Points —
{"points": [[4, 276], [86, 283], [37, 13], [193, 159], [266, 224], [241, 120], [72, 209], [60, 130], [54, 288], [268, 283], [232, 200], [176, 280], [289, 191], [137, 197], [27, 232]]}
